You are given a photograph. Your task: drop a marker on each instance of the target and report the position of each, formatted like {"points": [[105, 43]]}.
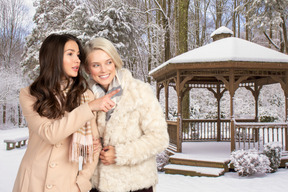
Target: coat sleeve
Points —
{"points": [[83, 178], [53, 131], [154, 127]]}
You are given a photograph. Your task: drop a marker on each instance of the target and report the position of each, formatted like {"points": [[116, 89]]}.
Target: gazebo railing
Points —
{"points": [[205, 130], [256, 135], [208, 130], [247, 134], [202, 130], [172, 131]]}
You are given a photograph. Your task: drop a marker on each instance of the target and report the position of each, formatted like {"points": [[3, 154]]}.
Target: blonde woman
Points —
{"points": [[133, 132]]}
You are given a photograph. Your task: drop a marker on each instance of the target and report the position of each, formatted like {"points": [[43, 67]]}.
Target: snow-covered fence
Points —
{"points": [[256, 135]]}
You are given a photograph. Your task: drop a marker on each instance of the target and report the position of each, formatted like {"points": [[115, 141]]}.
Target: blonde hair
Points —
{"points": [[104, 45]]}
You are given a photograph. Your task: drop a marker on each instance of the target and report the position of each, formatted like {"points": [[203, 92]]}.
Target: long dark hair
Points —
{"points": [[51, 102]]}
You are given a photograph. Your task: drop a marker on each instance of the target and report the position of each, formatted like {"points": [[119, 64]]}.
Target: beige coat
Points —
{"points": [[45, 165]]}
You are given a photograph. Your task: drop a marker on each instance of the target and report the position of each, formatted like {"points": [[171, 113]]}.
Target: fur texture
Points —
{"points": [[138, 131]]}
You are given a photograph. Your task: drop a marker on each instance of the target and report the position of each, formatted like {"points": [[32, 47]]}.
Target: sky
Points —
{"points": [[31, 12], [230, 182]]}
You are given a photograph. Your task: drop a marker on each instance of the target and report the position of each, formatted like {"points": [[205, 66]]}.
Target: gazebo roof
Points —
{"points": [[221, 53]]}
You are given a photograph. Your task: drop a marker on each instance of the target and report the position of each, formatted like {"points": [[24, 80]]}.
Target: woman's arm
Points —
{"points": [[53, 131]]}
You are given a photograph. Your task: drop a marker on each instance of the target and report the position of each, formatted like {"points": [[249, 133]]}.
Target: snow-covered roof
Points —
{"points": [[227, 49], [221, 30]]}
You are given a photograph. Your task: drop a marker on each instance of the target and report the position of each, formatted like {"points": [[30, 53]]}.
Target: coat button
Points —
{"points": [[48, 186], [58, 145], [52, 164]]}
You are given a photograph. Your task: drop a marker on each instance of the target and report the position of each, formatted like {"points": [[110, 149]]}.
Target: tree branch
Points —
{"points": [[270, 40]]}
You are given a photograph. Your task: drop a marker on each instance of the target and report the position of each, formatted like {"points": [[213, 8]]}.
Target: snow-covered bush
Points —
{"points": [[162, 159], [273, 152], [249, 162]]}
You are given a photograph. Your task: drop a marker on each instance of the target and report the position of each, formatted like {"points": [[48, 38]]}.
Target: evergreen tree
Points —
{"points": [[116, 25], [48, 18]]}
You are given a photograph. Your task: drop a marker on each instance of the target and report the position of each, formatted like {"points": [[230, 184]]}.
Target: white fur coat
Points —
{"points": [[138, 131]]}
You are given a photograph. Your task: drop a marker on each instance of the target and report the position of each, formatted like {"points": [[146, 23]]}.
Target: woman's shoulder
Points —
{"points": [[25, 92], [128, 78]]}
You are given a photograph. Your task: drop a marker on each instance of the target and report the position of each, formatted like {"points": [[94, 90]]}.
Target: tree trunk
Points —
{"points": [[183, 26], [219, 13], [165, 22], [247, 21], [183, 47], [197, 22], [147, 5], [176, 26], [4, 114], [204, 26], [234, 18], [284, 28]]}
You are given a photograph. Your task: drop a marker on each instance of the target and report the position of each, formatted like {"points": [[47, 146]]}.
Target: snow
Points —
{"points": [[204, 170], [276, 182], [227, 49]]}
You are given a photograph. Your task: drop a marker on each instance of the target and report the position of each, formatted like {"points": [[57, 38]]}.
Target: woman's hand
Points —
{"points": [[103, 103], [107, 155]]}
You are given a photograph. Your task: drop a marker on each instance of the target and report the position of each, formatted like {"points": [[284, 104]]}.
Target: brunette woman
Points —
{"points": [[58, 109]]}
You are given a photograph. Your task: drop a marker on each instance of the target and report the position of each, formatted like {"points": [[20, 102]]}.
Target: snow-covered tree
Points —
{"points": [[48, 18], [116, 25], [268, 18], [12, 33], [12, 81]]}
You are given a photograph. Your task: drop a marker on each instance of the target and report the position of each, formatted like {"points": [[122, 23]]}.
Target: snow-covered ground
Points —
{"points": [[272, 182]]}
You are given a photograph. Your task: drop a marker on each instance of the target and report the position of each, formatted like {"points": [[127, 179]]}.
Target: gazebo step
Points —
{"points": [[193, 170], [284, 159], [200, 163]]}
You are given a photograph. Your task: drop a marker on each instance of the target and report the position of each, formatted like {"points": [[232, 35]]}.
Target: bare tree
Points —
{"points": [[12, 34], [12, 31]]}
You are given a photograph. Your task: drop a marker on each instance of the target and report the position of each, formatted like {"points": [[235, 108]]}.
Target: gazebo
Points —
{"points": [[224, 65]]}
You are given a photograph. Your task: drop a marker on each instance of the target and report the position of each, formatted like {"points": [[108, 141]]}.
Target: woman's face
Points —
{"points": [[71, 61], [101, 67]]}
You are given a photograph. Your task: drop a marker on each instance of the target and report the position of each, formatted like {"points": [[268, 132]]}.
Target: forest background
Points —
{"points": [[146, 33]]}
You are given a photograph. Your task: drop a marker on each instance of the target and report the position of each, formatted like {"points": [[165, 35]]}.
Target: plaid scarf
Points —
{"points": [[82, 140]]}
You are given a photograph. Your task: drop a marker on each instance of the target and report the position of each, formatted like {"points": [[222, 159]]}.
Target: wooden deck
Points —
{"points": [[203, 159]]}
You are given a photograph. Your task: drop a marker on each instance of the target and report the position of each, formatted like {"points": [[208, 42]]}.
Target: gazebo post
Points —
{"points": [[285, 88], [232, 123], [256, 96], [166, 86], [179, 114], [232, 92], [286, 130], [157, 91], [218, 113]]}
